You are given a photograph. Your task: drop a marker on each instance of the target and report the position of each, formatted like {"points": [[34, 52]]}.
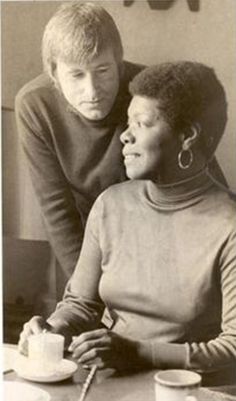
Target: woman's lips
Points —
{"points": [[131, 156]]}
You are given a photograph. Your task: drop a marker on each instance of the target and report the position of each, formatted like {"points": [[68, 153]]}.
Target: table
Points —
{"points": [[107, 386], [136, 387]]}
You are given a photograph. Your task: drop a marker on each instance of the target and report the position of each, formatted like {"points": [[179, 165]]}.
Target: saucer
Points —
{"points": [[9, 356], [25, 369], [14, 391]]}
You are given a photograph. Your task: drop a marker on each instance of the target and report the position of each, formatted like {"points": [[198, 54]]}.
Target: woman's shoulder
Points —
{"points": [[122, 192], [220, 205], [225, 200]]}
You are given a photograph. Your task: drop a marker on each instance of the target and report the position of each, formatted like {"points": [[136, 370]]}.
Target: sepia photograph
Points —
{"points": [[118, 137]]}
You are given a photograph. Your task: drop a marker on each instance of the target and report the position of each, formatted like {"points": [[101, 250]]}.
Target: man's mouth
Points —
{"points": [[93, 102]]}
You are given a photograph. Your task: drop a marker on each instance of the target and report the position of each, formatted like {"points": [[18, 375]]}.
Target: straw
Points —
{"points": [[87, 383]]}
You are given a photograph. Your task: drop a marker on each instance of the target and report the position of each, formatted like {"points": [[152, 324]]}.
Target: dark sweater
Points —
{"points": [[71, 159]]}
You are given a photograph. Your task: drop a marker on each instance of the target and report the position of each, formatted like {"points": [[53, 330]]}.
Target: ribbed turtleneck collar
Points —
{"points": [[178, 196]]}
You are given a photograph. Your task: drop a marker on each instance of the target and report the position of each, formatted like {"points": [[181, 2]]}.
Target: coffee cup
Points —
{"points": [[45, 350], [177, 385]]}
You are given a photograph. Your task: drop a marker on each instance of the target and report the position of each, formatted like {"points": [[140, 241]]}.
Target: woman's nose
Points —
{"points": [[127, 136]]}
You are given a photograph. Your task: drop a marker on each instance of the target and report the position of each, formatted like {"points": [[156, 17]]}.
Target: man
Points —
{"points": [[70, 119]]}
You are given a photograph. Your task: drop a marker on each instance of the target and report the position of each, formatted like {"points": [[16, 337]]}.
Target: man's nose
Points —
{"points": [[127, 136], [91, 86]]}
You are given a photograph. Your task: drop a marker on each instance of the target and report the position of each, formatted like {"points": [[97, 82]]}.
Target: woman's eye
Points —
{"points": [[136, 124], [147, 124], [141, 124]]}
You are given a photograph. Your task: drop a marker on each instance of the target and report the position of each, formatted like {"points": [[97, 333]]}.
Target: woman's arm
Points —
{"points": [[81, 307], [220, 352], [216, 354]]}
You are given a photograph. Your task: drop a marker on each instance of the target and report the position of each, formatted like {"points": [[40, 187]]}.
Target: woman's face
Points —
{"points": [[150, 145]]}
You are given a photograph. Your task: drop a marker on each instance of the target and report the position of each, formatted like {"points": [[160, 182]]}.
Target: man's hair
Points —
{"points": [[77, 31], [187, 93]]}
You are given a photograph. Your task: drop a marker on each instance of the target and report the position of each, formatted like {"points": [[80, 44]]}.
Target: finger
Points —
{"points": [[22, 346], [33, 326], [97, 356], [87, 336], [100, 364], [89, 345], [86, 367], [37, 324], [80, 348], [23, 340]]}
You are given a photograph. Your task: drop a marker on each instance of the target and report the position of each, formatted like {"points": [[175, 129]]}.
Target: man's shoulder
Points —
{"points": [[36, 88], [131, 69]]}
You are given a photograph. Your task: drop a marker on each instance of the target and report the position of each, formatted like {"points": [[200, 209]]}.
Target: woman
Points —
{"points": [[159, 250]]}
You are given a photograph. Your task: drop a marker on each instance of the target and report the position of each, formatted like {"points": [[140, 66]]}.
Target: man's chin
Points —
{"points": [[94, 115]]}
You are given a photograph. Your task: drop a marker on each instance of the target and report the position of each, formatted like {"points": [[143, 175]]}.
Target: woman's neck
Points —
{"points": [[175, 175], [179, 181]]}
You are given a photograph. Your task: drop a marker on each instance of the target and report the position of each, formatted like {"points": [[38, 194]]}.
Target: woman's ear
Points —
{"points": [[190, 136]]}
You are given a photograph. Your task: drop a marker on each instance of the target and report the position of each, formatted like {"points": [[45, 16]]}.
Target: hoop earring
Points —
{"points": [[181, 157]]}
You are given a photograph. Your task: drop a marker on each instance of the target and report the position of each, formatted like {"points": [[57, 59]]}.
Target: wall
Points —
{"points": [[149, 36]]}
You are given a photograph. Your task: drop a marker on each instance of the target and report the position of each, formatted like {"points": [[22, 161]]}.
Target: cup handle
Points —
{"points": [[191, 398]]}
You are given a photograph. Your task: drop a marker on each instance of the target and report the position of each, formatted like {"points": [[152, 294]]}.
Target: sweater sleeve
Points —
{"points": [[220, 352], [81, 308], [217, 354], [56, 201]]}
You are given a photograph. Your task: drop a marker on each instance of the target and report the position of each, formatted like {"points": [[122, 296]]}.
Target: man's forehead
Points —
{"points": [[94, 60]]}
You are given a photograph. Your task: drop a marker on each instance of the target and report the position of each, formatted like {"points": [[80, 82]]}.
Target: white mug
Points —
{"points": [[177, 385], [45, 350]]}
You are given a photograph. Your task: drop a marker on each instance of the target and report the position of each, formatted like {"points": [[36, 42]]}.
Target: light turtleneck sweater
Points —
{"points": [[162, 260]]}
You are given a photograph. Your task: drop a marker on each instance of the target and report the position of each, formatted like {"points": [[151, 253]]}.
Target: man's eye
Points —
{"points": [[77, 75], [103, 71]]}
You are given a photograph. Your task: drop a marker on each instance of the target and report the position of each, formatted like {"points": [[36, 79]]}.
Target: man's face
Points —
{"points": [[91, 87]]}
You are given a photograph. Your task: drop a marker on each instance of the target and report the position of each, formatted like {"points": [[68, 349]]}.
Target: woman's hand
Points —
{"points": [[105, 349], [34, 326]]}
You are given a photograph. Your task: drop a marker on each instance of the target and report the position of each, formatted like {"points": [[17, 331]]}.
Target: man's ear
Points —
{"points": [[121, 68], [190, 136], [53, 72]]}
